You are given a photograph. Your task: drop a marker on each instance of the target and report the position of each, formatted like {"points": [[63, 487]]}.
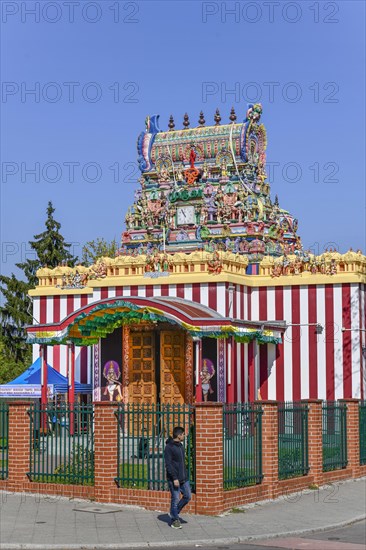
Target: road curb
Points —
{"points": [[298, 532], [186, 542]]}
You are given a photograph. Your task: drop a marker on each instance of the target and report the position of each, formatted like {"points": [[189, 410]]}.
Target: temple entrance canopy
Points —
{"points": [[87, 325], [159, 354]]}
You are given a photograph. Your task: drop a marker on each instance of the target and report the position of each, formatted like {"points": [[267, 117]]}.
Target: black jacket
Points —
{"points": [[175, 461]]}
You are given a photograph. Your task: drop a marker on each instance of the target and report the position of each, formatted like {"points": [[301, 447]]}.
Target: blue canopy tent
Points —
{"points": [[28, 384]]}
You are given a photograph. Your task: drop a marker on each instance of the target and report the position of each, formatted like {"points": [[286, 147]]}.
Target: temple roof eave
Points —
{"points": [[88, 324]]}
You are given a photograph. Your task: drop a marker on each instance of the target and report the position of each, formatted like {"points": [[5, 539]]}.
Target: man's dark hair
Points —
{"points": [[178, 430]]}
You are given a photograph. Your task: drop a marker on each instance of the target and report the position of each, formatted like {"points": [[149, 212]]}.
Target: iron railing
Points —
{"points": [[362, 431], [142, 433], [242, 445], [4, 435], [293, 457], [334, 432], [62, 444]]}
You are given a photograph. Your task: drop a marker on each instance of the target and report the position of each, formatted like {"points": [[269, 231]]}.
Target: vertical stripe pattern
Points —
{"points": [[306, 364]]}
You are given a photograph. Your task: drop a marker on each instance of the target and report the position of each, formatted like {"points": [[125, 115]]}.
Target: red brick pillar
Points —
{"points": [[105, 449], [209, 459], [315, 437], [18, 445], [270, 445], [353, 435]]}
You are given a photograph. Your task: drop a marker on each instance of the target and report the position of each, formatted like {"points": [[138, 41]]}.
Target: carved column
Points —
{"points": [[188, 355], [198, 369], [96, 372], [125, 362]]}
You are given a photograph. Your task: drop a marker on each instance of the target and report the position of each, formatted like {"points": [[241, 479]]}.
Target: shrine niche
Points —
{"points": [[209, 370], [110, 370]]}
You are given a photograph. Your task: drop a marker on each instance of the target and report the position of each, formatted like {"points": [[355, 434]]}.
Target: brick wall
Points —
{"points": [[353, 445], [315, 440], [270, 446], [18, 446], [209, 458], [210, 497], [105, 450]]}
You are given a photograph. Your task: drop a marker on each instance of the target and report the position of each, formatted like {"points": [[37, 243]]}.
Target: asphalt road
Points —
{"points": [[352, 537]]}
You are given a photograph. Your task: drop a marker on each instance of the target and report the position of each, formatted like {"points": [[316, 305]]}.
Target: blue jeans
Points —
{"points": [[177, 505]]}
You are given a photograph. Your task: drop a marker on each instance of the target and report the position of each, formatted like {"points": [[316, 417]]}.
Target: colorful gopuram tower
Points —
{"points": [[205, 188]]}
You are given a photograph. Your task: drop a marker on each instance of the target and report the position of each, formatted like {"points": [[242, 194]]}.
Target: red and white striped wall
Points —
{"points": [[306, 365]]}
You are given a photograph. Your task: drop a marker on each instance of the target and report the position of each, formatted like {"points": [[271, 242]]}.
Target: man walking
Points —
{"points": [[176, 474]]}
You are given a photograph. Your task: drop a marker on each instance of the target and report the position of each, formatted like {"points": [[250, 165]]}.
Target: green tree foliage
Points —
{"points": [[50, 250], [10, 368], [14, 315], [50, 247], [99, 248]]}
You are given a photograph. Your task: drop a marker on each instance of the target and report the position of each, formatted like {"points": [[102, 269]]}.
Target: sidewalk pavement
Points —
{"points": [[48, 522]]}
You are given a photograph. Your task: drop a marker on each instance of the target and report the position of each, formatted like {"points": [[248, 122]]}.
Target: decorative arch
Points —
{"points": [[87, 325]]}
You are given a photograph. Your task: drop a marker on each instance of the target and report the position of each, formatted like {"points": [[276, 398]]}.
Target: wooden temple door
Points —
{"points": [[172, 371], [142, 383]]}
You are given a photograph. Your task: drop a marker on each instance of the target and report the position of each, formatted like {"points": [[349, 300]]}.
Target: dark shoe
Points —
{"points": [[176, 524], [182, 520]]}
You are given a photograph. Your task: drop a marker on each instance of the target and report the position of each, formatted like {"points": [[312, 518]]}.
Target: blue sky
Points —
{"points": [[98, 68]]}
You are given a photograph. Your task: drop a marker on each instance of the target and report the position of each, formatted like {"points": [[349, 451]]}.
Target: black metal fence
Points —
{"points": [[334, 431], [4, 434], [62, 444], [142, 433], [242, 445], [293, 456]]}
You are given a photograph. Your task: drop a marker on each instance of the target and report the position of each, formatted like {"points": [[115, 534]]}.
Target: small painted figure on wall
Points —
{"points": [[206, 374], [112, 374]]}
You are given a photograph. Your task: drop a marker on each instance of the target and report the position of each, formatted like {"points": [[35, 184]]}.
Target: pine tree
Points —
{"points": [[51, 250]]}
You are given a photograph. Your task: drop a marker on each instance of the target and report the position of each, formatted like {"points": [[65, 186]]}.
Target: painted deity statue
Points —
{"points": [[209, 189], [164, 174], [206, 375], [129, 219], [224, 171], [179, 173], [204, 171], [203, 214], [112, 373]]}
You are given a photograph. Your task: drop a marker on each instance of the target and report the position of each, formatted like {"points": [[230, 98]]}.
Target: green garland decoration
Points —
{"points": [[99, 327]]}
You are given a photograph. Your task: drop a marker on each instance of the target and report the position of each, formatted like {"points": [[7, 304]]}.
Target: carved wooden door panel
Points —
{"points": [[172, 372], [142, 385]]}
